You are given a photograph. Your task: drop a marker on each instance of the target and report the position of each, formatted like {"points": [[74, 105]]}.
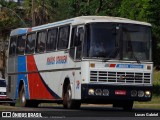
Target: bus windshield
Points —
{"points": [[120, 41]]}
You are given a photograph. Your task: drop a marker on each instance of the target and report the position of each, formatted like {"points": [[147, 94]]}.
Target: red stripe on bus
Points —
{"points": [[37, 89], [112, 65]]}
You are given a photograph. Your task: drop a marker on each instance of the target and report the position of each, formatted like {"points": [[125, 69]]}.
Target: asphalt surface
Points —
{"points": [[88, 112]]}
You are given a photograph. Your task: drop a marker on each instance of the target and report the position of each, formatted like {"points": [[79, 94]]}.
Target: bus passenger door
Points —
{"points": [[76, 43], [75, 53]]}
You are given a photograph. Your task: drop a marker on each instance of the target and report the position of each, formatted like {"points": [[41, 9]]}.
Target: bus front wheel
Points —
{"points": [[67, 100], [126, 105]]}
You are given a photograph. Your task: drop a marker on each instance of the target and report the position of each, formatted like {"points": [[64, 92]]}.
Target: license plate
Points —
{"points": [[120, 92]]}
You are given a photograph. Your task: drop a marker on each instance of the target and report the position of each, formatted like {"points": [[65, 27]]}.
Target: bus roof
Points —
{"points": [[78, 21], [19, 31]]}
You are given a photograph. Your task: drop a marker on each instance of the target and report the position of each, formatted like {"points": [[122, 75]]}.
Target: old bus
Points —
{"points": [[87, 59]]}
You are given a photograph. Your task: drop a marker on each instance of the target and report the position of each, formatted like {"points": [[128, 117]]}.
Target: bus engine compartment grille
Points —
{"points": [[120, 77]]}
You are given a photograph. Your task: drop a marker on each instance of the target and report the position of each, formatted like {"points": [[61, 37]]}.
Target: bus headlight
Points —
{"points": [[91, 92], [147, 94], [98, 92], [105, 92], [133, 93], [140, 93]]}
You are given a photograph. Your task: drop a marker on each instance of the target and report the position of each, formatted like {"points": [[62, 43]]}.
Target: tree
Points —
{"points": [[154, 17], [8, 21], [134, 9], [43, 12], [94, 7]]}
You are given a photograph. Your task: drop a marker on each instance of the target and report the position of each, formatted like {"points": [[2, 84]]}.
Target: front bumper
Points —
{"points": [[113, 94]]}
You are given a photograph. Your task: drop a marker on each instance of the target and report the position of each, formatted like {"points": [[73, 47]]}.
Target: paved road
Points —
{"points": [[92, 112]]}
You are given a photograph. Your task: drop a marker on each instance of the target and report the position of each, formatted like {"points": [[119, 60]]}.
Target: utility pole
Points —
{"points": [[43, 13], [33, 13]]}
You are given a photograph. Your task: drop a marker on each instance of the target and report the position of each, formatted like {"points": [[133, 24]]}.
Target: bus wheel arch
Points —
{"points": [[22, 97], [21, 94], [68, 102], [65, 84], [21, 84]]}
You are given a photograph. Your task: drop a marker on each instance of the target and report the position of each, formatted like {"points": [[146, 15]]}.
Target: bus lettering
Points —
{"points": [[50, 60], [61, 59]]}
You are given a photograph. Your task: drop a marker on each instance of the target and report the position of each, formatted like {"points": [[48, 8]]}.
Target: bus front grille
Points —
{"points": [[120, 77]]}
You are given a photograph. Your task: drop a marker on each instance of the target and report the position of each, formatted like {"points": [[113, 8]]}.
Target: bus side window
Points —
{"points": [[41, 38], [78, 43], [30, 43], [51, 39], [12, 47], [21, 44], [63, 37], [73, 39]]}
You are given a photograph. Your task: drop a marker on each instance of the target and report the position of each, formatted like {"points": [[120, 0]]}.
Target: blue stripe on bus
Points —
{"points": [[22, 68]]}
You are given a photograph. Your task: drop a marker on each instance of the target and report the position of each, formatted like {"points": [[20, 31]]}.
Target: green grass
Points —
{"points": [[156, 83], [153, 104], [155, 100], [148, 106], [156, 77], [8, 108]]}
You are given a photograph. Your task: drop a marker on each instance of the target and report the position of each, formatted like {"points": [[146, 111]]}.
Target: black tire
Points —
{"points": [[67, 100], [22, 99], [128, 105], [24, 102], [32, 103]]}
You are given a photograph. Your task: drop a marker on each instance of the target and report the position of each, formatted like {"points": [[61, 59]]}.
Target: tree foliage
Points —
{"points": [[134, 9], [54, 10], [153, 16], [43, 12], [93, 7], [8, 19]]}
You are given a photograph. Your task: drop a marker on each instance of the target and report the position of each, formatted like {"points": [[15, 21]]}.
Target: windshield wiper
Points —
{"points": [[105, 59], [114, 53], [138, 61]]}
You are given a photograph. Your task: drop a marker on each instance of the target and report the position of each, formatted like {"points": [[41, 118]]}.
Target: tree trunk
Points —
{"points": [[99, 7]]}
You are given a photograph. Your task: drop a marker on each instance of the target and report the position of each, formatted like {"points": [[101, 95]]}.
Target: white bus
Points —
{"points": [[87, 59]]}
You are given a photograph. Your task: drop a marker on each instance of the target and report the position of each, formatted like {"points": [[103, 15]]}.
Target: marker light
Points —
{"points": [[147, 94], [133, 93], [140, 93], [92, 65], [91, 92], [105, 92], [98, 92], [148, 67]]}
